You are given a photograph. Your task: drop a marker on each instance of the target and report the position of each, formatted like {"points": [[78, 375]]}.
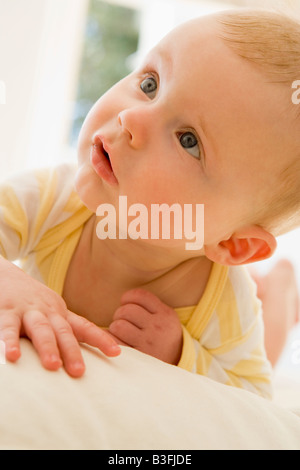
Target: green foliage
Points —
{"points": [[111, 36]]}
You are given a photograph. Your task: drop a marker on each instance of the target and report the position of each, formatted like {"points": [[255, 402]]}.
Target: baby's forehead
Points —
{"points": [[191, 41], [192, 31]]}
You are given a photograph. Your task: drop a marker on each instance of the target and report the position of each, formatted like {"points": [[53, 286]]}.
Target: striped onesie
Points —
{"points": [[41, 220]]}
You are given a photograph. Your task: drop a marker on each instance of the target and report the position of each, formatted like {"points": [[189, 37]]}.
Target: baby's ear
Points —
{"points": [[245, 246]]}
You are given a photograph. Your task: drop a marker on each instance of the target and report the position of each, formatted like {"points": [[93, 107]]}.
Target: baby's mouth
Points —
{"points": [[104, 152], [100, 160], [106, 155]]}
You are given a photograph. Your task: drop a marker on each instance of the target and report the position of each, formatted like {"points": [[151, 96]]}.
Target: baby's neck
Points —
{"points": [[109, 268], [132, 264]]}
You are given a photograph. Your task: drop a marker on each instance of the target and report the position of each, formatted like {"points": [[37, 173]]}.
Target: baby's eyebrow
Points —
{"points": [[164, 59]]}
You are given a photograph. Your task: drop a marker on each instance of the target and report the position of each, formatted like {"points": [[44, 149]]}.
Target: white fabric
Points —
{"points": [[133, 402]]}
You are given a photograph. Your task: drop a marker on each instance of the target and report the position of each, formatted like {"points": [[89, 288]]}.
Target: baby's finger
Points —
{"points": [[89, 333], [126, 332], [144, 298], [133, 313], [10, 326], [68, 345], [39, 330], [118, 341]]}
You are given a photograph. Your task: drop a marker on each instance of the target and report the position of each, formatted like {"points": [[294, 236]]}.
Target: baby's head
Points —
{"points": [[271, 43], [207, 118]]}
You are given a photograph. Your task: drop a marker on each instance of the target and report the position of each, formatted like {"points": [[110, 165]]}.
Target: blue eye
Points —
{"points": [[190, 143], [149, 87]]}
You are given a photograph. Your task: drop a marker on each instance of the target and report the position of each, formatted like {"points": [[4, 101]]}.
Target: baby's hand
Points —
{"points": [[145, 323], [28, 308]]}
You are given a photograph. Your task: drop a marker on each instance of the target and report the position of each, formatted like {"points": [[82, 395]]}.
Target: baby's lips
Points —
{"points": [[101, 164]]}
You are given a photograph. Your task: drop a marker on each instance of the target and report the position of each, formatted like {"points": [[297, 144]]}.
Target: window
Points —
{"points": [[111, 37]]}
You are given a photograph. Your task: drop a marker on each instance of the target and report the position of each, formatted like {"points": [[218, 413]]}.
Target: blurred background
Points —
{"points": [[57, 57]]}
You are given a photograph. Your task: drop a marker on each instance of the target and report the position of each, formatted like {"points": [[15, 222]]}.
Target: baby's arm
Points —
{"points": [[29, 308], [238, 359], [145, 323]]}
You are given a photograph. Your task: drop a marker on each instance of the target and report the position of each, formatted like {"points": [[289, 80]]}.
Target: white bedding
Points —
{"points": [[133, 402]]}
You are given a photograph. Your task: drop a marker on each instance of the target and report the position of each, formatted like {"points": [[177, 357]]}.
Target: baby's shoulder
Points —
{"points": [[243, 289], [61, 176], [241, 280], [41, 180]]}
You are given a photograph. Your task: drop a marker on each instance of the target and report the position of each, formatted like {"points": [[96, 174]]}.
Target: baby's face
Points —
{"points": [[194, 124]]}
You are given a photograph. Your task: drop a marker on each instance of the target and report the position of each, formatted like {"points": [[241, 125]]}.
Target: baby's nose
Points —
{"points": [[134, 123]]}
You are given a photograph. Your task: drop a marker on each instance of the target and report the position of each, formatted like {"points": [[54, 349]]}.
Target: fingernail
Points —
{"points": [[115, 349], [53, 359], [15, 352], [77, 366]]}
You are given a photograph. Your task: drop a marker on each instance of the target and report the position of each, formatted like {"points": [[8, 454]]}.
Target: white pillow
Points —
{"points": [[133, 402]]}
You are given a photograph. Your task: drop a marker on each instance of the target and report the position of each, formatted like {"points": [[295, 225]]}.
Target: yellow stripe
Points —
{"points": [[14, 214], [55, 249], [2, 251], [250, 367], [228, 315], [73, 204], [230, 344], [43, 260], [47, 183], [209, 300], [188, 355], [204, 360], [234, 380], [184, 313], [58, 233], [61, 261], [254, 379]]}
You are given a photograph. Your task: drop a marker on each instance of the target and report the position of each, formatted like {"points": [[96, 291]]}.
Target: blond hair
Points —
{"points": [[271, 42]]}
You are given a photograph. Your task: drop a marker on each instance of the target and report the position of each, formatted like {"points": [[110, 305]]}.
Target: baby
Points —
{"points": [[207, 118]]}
